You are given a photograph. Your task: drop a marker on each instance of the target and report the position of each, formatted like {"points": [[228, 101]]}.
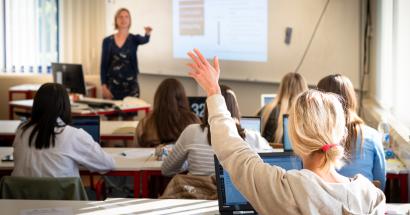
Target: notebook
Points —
{"points": [[287, 145], [251, 123], [90, 124], [230, 200]]}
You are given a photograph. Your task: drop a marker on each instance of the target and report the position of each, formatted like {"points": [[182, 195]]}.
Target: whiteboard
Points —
{"points": [[335, 48]]}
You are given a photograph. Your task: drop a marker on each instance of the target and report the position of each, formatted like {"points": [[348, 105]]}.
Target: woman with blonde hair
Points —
{"points": [[317, 131], [119, 64], [363, 143], [272, 114]]}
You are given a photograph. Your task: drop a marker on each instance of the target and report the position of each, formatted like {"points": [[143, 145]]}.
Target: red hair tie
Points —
{"points": [[326, 147]]}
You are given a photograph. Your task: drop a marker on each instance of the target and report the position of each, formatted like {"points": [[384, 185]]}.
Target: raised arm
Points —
{"points": [[247, 170]]}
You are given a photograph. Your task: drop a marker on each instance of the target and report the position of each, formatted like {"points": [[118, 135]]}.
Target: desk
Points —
{"points": [[109, 130], [30, 89], [397, 170], [135, 162], [115, 206], [27, 104]]}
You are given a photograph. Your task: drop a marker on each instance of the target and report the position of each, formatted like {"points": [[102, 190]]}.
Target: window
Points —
{"points": [[2, 51], [31, 35], [401, 60], [393, 73]]}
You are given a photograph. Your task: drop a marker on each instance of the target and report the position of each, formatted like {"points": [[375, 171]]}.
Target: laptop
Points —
{"points": [[251, 123], [266, 99], [197, 105], [90, 124], [230, 200], [287, 145]]}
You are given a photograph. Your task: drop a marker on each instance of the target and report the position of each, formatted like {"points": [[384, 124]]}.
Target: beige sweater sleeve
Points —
{"points": [[260, 183]]}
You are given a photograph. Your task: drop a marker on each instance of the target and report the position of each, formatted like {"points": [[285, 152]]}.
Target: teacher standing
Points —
{"points": [[119, 63]]}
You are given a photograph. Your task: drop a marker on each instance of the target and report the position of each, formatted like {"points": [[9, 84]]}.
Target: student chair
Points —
{"points": [[44, 188]]}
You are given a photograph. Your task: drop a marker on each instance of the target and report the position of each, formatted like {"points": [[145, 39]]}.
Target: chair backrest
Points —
{"points": [[66, 188]]}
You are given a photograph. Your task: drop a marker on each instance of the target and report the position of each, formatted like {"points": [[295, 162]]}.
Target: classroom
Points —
{"points": [[204, 107]]}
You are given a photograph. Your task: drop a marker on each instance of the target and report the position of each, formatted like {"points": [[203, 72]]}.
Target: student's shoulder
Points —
{"points": [[193, 129], [370, 134], [73, 132]]}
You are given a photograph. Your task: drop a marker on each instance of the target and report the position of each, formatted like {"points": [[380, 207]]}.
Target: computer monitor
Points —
{"points": [[90, 124], [251, 123], [287, 144], [230, 200], [70, 76], [267, 98], [197, 105]]}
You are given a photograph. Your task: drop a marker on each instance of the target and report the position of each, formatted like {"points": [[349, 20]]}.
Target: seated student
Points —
{"points": [[169, 118], [363, 143], [291, 85], [194, 144], [47, 146], [317, 131]]}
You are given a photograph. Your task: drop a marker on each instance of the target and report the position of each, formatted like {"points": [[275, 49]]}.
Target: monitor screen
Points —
{"points": [[266, 99], [70, 76], [230, 198], [90, 124], [287, 145], [251, 123], [197, 105]]}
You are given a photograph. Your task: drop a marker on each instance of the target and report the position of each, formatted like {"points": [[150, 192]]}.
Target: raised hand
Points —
{"points": [[148, 30], [205, 74]]}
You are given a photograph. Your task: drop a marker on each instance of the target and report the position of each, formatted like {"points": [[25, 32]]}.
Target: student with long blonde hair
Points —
{"points": [[291, 85], [363, 143], [317, 131]]}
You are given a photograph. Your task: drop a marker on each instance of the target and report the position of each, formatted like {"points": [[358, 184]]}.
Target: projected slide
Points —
{"points": [[231, 29]]}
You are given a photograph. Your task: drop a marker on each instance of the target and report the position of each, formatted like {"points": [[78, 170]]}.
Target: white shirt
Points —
{"points": [[73, 147], [192, 146]]}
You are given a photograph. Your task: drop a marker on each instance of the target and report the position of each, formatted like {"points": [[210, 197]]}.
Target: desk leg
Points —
{"points": [[137, 184], [10, 96], [403, 188], [145, 176], [11, 112]]}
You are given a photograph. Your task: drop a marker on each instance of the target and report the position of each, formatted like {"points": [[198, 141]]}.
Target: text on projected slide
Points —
{"points": [[230, 29]]}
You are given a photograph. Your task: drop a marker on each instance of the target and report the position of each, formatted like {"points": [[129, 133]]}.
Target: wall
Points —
{"points": [[248, 93], [335, 47]]}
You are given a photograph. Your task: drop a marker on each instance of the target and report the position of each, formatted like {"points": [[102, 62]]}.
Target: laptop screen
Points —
{"points": [[251, 123], [266, 99], [230, 199], [90, 124], [287, 145]]}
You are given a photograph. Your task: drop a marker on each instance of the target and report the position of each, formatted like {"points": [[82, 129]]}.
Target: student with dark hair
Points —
{"points": [[47, 146], [194, 144], [363, 144], [170, 116], [317, 131]]}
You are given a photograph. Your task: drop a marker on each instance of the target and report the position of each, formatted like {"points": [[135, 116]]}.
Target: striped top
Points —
{"points": [[193, 153]]}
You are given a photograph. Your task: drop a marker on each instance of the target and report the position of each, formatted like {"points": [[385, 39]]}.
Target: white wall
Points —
{"points": [[335, 49]]}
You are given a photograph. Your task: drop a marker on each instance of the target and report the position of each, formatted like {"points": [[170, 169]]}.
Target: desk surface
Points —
{"points": [[126, 159], [113, 206], [135, 206], [107, 128], [129, 105], [35, 87]]}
